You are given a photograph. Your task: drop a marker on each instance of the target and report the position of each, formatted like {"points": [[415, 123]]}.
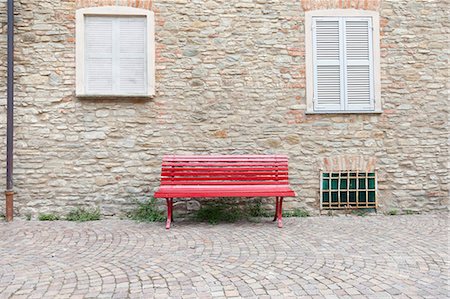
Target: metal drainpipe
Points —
{"points": [[9, 193]]}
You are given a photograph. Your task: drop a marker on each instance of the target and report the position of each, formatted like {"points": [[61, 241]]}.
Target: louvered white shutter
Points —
{"points": [[132, 51], [99, 55], [358, 63], [116, 56], [327, 60]]}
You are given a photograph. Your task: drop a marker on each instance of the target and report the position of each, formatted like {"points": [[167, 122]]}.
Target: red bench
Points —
{"points": [[224, 176]]}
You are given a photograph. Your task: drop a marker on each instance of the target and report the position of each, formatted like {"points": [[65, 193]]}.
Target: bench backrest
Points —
{"points": [[225, 170]]}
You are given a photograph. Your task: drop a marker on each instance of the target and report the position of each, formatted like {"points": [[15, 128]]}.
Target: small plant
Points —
{"points": [[83, 214], [360, 213], [214, 213], [296, 213], [48, 217], [409, 212], [147, 211], [392, 212], [28, 217], [256, 210]]}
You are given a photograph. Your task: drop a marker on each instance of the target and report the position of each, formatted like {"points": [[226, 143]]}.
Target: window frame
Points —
{"points": [[114, 11], [310, 82]]}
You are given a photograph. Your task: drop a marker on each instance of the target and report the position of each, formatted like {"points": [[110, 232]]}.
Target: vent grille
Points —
{"points": [[348, 190]]}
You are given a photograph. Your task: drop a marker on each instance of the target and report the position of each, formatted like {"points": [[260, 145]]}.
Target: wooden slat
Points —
{"points": [[201, 164], [208, 158], [199, 169], [275, 160], [232, 156], [221, 187], [222, 178], [232, 179], [231, 162], [212, 195], [207, 183], [224, 188], [223, 191], [177, 172]]}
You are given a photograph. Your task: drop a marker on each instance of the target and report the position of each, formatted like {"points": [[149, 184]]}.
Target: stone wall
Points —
{"points": [[231, 80]]}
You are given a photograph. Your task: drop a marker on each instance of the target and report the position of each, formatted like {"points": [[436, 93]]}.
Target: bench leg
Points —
{"points": [[275, 217], [171, 209], [280, 212], [169, 203]]}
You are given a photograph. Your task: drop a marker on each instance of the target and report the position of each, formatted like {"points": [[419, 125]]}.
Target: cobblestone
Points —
{"points": [[317, 257]]}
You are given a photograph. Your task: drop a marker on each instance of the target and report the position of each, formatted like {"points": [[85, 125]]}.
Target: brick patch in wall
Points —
{"points": [[331, 4], [146, 4], [343, 163]]}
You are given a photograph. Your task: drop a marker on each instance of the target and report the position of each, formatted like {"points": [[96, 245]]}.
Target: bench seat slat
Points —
{"points": [[225, 158], [267, 160], [224, 164], [209, 169], [212, 157], [223, 191], [231, 183], [180, 173], [226, 178]]}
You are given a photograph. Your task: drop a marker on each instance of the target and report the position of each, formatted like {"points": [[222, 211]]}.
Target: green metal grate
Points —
{"points": [[348, 190]]}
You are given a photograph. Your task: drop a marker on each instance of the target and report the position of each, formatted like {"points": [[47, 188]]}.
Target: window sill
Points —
{"points": [[113, 96], [344, 112]]}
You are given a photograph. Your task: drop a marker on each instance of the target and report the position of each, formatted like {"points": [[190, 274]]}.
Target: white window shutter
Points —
{"points": [[99, 55], [358, 53], [327, 61], [132, 63]]}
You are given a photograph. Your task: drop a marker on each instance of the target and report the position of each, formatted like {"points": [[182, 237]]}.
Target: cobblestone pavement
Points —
{"points": [[317, 257]]}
